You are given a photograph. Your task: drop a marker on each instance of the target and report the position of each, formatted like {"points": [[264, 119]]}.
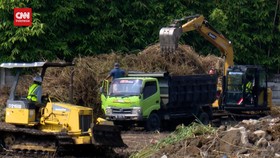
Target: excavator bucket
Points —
{"points": [[107, 135], [169, 38]]}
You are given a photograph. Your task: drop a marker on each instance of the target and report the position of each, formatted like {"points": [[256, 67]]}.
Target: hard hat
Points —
{"points": [[37, 79]]}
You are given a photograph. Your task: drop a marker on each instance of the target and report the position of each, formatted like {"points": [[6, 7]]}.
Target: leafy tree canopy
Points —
{"points": [[70, 28]]}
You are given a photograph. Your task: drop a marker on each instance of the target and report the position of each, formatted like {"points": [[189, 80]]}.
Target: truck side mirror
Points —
{"points": [[140, 96], [101, 90], [104, 87]]}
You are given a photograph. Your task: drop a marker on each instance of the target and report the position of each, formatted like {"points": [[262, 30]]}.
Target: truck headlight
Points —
{"points": [[137, 110], [108, 111]]}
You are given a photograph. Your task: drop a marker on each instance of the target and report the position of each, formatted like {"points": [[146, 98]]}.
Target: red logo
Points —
{"points": [[22, 16]]}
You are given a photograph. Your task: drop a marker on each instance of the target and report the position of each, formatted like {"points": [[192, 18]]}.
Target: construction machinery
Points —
{"points": [[55, 127], [232, 96], [158, 100]]}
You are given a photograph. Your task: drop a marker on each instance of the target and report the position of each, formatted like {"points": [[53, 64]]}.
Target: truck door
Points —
{"points": [[104, 92], [150, 98]]}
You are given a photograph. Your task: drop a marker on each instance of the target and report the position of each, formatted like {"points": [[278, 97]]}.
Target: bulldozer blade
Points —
{"points": [[107, 135], [169, 38]]}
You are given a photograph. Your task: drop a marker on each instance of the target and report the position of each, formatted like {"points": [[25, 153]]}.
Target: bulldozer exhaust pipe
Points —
{"points": [[169, 38]]}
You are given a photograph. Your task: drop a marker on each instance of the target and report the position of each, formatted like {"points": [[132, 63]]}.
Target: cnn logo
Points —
{"points": [[22, 16]]}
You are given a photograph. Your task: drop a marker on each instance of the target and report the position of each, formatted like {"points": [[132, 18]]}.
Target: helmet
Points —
{"points": [[37, 79]]}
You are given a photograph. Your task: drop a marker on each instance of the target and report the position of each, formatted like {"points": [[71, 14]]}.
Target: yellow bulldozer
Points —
{"points": [[56, 127]]}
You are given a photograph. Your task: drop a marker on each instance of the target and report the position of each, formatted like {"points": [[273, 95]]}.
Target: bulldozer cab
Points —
{"points": [[19, 103], [245, 88]]}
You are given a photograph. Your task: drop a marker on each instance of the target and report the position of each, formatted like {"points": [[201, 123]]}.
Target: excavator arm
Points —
{"points": [[169, 36]]}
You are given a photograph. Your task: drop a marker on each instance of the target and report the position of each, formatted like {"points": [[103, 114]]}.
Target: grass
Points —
{"points": [[181, 133]]}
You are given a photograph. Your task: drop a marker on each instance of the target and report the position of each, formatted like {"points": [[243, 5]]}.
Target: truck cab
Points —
{"points": [[131, 98]]}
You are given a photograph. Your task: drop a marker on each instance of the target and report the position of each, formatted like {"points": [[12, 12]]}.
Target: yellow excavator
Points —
{"points": [[55, 127], [169, 36], [233, 96]]}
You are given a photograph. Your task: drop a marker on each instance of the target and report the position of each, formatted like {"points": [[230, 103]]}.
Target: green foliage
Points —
{"points": [[71, 28], [181, 133], [15, 42], [253, 30]]}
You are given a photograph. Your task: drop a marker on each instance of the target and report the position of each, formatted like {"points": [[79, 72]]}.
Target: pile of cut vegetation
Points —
{"points": [[90, 71], [3, 98], [248, 138]]}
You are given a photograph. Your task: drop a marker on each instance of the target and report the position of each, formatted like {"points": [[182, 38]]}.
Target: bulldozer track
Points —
{"points": [[19, 140], [26, 142], [25, 154]]}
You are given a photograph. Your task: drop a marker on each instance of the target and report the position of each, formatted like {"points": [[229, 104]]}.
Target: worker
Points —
{"points": [[35, 90], [249, 85], [249, 89], [212, 71], [35, 96], [116, 72]]}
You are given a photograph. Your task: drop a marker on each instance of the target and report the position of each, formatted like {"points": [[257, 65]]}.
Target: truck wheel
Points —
{"points": [[153, 122], [204, 118]]}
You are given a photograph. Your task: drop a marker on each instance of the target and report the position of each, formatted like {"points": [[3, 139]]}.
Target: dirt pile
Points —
{"points": [[249, 138], [90, 71]]}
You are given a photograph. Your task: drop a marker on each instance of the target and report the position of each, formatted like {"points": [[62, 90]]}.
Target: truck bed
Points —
{"points": [[185, 91]]}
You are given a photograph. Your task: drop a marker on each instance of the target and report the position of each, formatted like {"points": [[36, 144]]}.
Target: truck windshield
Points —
{"points": [[125, 87]]}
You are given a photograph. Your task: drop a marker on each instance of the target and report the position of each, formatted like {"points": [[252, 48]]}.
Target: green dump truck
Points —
{"points": [[156, 99]]}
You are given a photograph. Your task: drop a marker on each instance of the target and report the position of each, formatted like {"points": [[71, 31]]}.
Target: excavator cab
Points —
{"points": [[245, 89]]}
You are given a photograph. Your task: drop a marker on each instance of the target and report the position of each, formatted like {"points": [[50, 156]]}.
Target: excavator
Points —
{"points": [[232, 94], [55, 127]]}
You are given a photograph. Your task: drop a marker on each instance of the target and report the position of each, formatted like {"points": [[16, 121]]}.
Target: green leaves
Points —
{"points": [[66, 29]]}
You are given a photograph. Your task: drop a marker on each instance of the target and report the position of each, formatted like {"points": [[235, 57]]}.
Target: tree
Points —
{"points": [[70, 28], [252, 26]]}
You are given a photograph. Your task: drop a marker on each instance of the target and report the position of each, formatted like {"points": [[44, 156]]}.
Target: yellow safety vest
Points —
{"points": [[31, 96], [249, 87]]}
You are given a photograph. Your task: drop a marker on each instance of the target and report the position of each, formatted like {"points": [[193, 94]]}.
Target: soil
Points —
{"points": [[139, 140], [247, 138]]}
